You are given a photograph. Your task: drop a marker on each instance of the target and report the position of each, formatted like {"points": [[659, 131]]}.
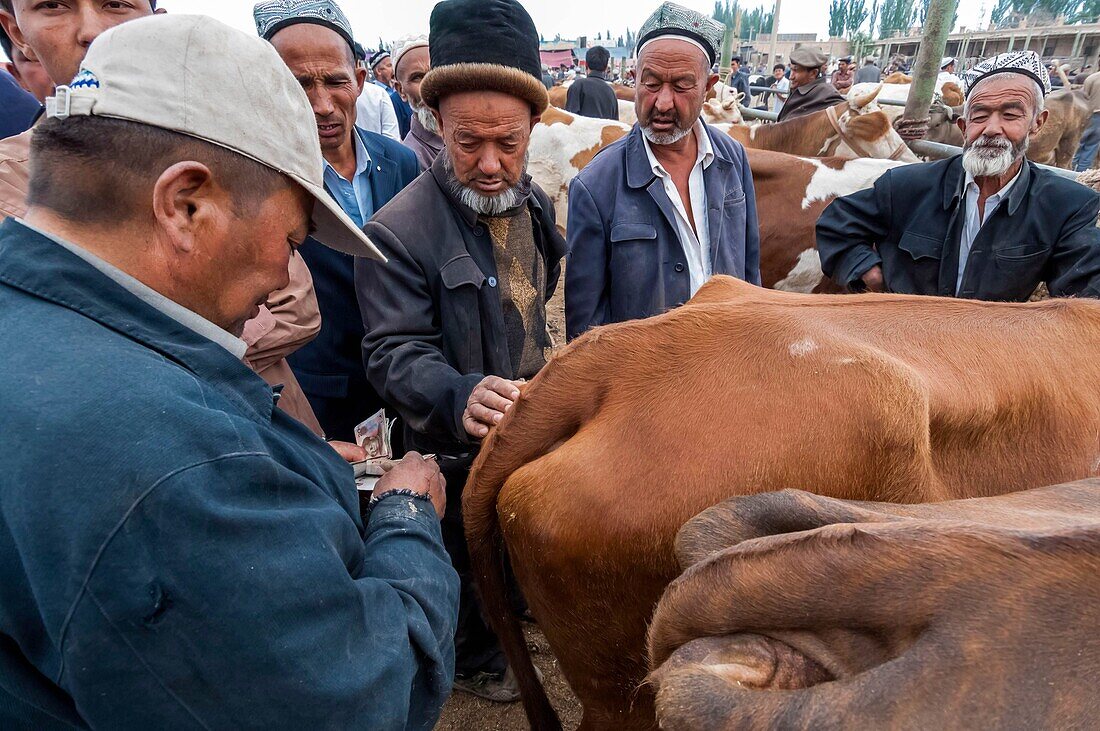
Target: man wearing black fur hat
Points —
{"points": [[456, 318]]}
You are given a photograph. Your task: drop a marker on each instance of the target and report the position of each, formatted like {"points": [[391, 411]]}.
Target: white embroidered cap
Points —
{"points": [[194, 75], [1026, 63]]}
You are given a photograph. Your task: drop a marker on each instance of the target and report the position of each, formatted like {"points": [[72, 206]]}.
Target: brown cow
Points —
{"points": [[979, 613], [636, 427]]}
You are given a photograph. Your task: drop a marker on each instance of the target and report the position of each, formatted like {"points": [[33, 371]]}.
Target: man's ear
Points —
{"points": [[360, 77], [1039, 122], [7, 20], [960, 122], [184, 201], [712, 79], [397, 88], [439, 120]]}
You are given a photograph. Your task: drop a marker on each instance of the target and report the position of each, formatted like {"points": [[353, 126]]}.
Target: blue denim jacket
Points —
{"points": [[177, 553], [625, 260]]}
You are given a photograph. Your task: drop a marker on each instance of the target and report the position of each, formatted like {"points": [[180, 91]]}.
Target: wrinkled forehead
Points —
{"points": [[672, 55], [1001, 91]]}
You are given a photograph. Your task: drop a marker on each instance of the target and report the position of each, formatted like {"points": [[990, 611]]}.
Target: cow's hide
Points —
{"points": [[859, 610]]}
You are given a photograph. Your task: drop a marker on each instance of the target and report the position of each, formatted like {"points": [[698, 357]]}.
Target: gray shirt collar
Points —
{"points": [[151, 297]]}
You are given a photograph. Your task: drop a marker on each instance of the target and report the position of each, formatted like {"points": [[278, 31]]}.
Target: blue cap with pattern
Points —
{"points": [[271, 16], [675, 20]]}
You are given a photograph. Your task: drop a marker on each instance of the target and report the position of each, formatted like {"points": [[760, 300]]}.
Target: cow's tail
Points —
{"points": [[551, 409]]}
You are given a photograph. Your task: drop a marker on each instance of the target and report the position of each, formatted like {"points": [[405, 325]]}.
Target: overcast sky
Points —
{"points": [[392, 19]]}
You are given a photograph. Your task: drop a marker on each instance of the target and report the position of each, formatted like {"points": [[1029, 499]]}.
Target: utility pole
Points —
{"points": [[937, 25], [775, 32], [728, 37]]}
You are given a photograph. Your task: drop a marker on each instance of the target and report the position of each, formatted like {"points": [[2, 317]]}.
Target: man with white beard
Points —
{"points": [[656, 213], [987, 224], [411, 61], [456, 318]]}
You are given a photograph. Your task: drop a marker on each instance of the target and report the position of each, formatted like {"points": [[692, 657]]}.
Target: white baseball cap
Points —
{"points": [[194, 75]]}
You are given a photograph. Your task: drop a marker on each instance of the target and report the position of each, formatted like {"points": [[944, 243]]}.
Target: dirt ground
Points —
{"points": [[465, 712], [555, 312]]}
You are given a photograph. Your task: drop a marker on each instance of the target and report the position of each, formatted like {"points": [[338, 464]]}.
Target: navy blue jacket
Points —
{"points": [[18, 108], [175, 552], [330, 368], [401, 109], [911, 223], [625, 260]]}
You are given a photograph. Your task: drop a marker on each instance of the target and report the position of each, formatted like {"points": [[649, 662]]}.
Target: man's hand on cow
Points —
{"points": [[874, 280], [419, 475], [488, 403]]}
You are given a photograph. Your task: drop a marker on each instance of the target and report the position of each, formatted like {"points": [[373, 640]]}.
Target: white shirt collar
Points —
{"points": [[705, 154], [362, 158], [972, 185], [151, 297]]}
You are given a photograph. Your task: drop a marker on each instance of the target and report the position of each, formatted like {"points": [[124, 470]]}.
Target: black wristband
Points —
{"points": [[404, 493]]}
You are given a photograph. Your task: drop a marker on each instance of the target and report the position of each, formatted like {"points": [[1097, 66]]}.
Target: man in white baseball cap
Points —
{"points": [[174, 551]]}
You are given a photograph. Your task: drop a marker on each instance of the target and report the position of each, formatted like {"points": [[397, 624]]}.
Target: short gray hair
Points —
{"points": [[1036, 92]]}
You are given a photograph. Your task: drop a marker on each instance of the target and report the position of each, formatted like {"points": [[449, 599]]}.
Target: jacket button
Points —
{"points": [[678, 268], [479, 231], [492, 281]]}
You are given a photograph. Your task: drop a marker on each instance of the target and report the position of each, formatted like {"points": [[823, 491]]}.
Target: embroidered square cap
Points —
{"points": [[671, 19], [196, 76], [1025, 63], [272, 16]]}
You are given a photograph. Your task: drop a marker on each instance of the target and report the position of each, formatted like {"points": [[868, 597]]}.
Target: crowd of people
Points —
{"points": [[221, 252]]}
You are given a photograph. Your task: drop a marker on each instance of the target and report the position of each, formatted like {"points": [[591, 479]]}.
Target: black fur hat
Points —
{"points": [[484, 45]]}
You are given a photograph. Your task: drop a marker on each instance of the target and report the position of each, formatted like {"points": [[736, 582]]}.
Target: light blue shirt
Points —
{"points": [[354, 196]]}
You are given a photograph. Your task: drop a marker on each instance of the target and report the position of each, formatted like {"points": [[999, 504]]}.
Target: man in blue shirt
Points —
{"points": [[381, 65], [174, 551], [363, 171]]}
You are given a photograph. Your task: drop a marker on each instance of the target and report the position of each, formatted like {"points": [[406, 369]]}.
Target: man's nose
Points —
{"points": [[90, 24], [489, 164], [666, 100], [321, 101]]}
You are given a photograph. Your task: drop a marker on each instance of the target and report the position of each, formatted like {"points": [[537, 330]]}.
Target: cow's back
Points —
{"points": [[636, 427]]}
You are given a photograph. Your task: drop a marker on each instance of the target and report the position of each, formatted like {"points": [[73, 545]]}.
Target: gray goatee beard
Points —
{"points": [[427, 119], [665, 138], [486, 205], [991, 157]]}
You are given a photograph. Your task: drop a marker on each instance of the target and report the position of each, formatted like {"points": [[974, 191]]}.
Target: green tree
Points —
{"points": [[846, 17], [753, 22], [838, 11], [896, 15]]}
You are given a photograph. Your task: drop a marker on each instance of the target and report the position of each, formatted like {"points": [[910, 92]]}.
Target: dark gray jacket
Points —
{"points": [[432, 313], [592, 97], [911, 222], [868, 74], [809, 98]]}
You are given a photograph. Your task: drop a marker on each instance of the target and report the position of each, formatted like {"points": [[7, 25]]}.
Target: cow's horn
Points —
{"points": [[861, 101]]}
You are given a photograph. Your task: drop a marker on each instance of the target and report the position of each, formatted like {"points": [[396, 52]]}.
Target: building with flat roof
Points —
{"points": [[1077, 45]]}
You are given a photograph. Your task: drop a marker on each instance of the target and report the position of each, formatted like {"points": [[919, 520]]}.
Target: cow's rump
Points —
{"points": [[636, 427]]}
